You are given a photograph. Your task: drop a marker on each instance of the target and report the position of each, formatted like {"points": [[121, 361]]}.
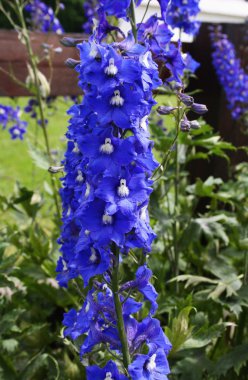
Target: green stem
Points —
{"points": [[118, 309], [144, 15], [165, 161], [133, 20], [176, 196], [243, 316], [246, 268], [39, 98]]}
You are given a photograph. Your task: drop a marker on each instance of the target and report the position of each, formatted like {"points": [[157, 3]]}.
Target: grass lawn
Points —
{"points": [[16, 163]]}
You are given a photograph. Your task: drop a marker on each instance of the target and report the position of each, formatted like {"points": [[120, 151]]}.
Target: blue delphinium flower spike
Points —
{"points": [[105, 195], [230, 73], [42, 17]]}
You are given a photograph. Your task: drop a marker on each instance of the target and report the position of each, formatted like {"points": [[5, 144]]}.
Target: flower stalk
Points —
{"points": [[118, 308], [33, 65]]}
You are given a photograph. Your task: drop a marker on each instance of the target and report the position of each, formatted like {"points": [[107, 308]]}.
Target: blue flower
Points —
{"points": [[124, 193], [104, 68], [11, 118], [115, 7], [143, 285], [190, 63], [109, 372], [18, 130], [157, 35], [163, 5], [153, 366], [117, 105], [181, 14], [105, 228], [90, 262], [89, 7], [107, 152], [148, 331]]}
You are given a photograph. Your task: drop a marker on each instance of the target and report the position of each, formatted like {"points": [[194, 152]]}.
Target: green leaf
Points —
{"points": [[193, 280], [39, 158], [235, 359], [7, 370], [9, 345], [37, 363], [192, 368], [205, 335], [8, 320], [180, 330]]}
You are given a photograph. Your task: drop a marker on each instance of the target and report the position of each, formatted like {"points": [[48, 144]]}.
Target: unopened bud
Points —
{"points": [[194, 124], [69, 42], [165, 110], [186, 99], [71, 63], [185, 125], [200, 109]]}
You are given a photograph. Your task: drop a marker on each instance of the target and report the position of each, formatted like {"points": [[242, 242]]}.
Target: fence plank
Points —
{"points": [[14, 58]]}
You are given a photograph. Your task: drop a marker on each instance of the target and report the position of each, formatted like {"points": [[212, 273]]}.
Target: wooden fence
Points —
{"points": [[13, 59]]}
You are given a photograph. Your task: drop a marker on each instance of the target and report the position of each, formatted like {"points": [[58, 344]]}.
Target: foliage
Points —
{"points": [[205, 298], [200, 262], [32, 304]]}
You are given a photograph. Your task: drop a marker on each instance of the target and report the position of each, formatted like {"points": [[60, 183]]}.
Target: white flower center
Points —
{"points": [[16, 132], [107, 147], [143, 123], [93, 51], [75, 149], [107, 219], [87, 232], [108, 376], [87, 191], [145, 61], [123, 190], [151, 365], [80, 177], [111, 69], [117, 100], [87, 308], [93, 256], [143, 213]]}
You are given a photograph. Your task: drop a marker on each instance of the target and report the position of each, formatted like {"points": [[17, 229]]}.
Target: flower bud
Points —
{"points": [[69, 42], [194, 124], [166, 110], [71, 63], [185, 125], [44, 85], [186, 99], [200, 109]]}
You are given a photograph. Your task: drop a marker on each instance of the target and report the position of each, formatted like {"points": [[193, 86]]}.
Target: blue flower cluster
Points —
{"points": [[105, 197], [231, 75], [181, 14], [157, 36], [89, 7], [43, 18], [11, 118], [94, 9], [115, 8]]}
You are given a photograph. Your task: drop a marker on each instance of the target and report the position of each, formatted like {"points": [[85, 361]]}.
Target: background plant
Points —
{"points": [[204, 309]]}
